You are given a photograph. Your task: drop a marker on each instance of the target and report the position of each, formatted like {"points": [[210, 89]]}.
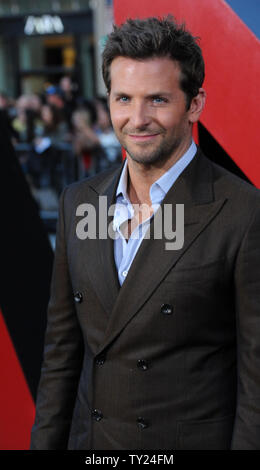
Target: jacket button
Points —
{"points": [[142, 423], [78, 297], [142, 364], [97, 415], [100, 359], [166, 309]]}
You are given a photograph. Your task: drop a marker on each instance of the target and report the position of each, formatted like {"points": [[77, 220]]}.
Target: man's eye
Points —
{"points": [[159, 99], [124, 99]]}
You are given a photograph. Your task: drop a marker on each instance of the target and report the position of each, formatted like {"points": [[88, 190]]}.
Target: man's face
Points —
{"points": [[148, 109]]}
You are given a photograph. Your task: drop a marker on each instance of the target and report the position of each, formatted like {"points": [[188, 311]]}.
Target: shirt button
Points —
{"points": [[142, 364], [167, 309], [97, 415], [124, 273], [78, 297], [142, 423]]}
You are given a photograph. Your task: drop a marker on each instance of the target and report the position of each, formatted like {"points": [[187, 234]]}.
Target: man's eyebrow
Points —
{"points": [[150, 95], [159, 93], [120, 93]]}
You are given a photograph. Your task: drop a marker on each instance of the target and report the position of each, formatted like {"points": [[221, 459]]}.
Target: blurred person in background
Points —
{"points": [[95, 142], [54, 96], [6, 111], [27, 120], [85, 142], [19, 123], [54, 125], [25, 124], [3, 100], [69, 93], [45, 157], [107, 138]]}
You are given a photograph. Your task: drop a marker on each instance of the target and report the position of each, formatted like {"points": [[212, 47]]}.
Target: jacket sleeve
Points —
{"points": [[246, 433], [63, 353]]}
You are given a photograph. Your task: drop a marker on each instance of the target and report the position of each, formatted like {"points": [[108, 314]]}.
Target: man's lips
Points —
{"points": [[142, 138]]}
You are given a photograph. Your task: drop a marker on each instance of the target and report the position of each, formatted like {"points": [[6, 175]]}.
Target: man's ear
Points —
{"points": [[197, 105]]}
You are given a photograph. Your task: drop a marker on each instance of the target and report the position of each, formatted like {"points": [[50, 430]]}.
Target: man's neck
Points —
{"points": [[141, 176]]}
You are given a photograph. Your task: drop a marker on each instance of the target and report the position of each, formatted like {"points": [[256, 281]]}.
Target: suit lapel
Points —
{"points": [[101, 268], [194, 189]]}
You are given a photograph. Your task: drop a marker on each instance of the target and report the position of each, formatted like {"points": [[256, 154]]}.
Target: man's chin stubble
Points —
{"points": [[161, 155]]}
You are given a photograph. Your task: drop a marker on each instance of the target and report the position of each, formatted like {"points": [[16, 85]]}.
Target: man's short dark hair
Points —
{"points": [[157, 37]]}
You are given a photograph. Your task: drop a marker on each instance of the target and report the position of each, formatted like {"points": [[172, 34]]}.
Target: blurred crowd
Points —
{"points": [[59, 137]]}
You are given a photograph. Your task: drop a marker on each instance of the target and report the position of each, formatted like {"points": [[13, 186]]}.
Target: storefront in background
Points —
{"points": [[39, 49]]}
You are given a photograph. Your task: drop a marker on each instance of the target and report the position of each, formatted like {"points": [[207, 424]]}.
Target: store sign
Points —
{"points": [[45, 24]]}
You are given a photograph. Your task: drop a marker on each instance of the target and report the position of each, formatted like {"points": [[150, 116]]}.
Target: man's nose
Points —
{"points": [[140, 116]]}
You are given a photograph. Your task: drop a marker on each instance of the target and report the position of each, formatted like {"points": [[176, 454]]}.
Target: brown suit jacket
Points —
{"points": [[171, 360]]}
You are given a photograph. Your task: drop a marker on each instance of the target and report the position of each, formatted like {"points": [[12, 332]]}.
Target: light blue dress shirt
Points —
{"points": [[125, 251]]}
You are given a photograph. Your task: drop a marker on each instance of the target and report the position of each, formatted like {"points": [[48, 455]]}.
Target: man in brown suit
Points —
{"points": [[149, 347]]}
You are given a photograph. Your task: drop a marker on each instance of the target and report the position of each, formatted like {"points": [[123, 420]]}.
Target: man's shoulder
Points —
{"points": [[96, 183], [227, 184]]}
